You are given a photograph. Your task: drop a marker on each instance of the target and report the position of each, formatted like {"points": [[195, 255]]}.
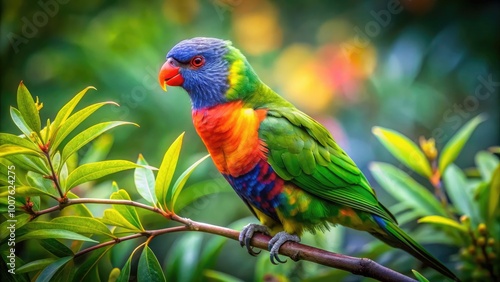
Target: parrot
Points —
{"points": [[284, 165]]}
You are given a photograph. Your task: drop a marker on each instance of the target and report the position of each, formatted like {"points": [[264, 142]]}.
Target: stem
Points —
{"points": [[488, 264], [54, 176], [70, 202], [149, 234], [436, 182], [118, 202]]}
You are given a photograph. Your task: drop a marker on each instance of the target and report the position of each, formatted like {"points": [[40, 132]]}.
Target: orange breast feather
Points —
{"points": [[230, 133]]}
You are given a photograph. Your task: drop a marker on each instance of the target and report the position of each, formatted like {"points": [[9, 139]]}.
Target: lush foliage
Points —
{"points": [[38, 169], [462, 210], [41, 174], [424, 69]]}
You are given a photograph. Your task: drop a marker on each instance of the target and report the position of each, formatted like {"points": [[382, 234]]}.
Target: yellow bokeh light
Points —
{"points": [[297, 74], [256, 28], [181, 11]]}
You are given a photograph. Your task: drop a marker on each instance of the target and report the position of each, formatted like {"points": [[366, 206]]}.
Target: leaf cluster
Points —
{"points": [[461, 208], [40, 167]]}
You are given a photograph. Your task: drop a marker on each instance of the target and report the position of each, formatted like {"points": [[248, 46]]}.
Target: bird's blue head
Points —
{"points": [[211, 70]]}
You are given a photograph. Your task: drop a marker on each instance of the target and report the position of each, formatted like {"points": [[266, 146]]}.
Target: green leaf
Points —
{"points": [[129, 212], [167, 169], [486, 163], [145, 181], [149, 269], [405, 150], [98, 150], [122, 215], [9, 149], [45, 132], [79, 209], [89, 263], [114, 275], [494, 193], [460, 193], [63, 175], [449, 236], [28, 191], [404, 188], [29, 163], [216, 276], [54, 233], [41, 183], [56, 248], [408, 216], [456, 143], [66, 111], [20, 122], [125, 272], [181, 181], [82, 225], [66, 273], [92, 171], [56, 161], [28, 109], [73, 121], [183, 258], [419, 276], [22, 219], [49, 271], [84, 137], [18, 203], [202, 189], [436, 219], [113, 217], [6, 138], [35, 265]]}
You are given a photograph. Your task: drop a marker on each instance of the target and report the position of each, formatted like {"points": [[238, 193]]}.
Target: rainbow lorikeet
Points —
{"points": [[283, 164]]}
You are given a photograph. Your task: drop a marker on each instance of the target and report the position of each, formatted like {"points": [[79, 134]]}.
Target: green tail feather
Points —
{"points": [[396, 237]]}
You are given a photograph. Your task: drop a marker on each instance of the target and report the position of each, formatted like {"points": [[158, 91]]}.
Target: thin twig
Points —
{"points": [[70, 202], [147, 233], [54, 175]]}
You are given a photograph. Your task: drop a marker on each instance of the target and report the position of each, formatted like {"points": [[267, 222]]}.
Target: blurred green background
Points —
{"points": [[423, 68]]}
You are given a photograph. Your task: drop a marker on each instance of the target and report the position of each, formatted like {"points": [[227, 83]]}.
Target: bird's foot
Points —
{"points": [[247, 233], [277, 241]]}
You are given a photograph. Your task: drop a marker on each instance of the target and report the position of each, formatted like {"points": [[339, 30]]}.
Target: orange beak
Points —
{"points": [[170, 75]]}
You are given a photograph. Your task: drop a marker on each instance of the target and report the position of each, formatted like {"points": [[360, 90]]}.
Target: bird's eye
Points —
{"points": [[197, 61]]}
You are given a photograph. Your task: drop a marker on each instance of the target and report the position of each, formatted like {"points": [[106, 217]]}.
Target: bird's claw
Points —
{"points": [[247, 233], [276, 242]]}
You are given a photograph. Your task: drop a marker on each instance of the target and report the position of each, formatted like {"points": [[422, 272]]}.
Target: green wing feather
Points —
{"points": [[302, 151]]}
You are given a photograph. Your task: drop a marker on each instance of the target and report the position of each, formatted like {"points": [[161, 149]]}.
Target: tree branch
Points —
{"points": [[70, 202], [296, 251]]}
